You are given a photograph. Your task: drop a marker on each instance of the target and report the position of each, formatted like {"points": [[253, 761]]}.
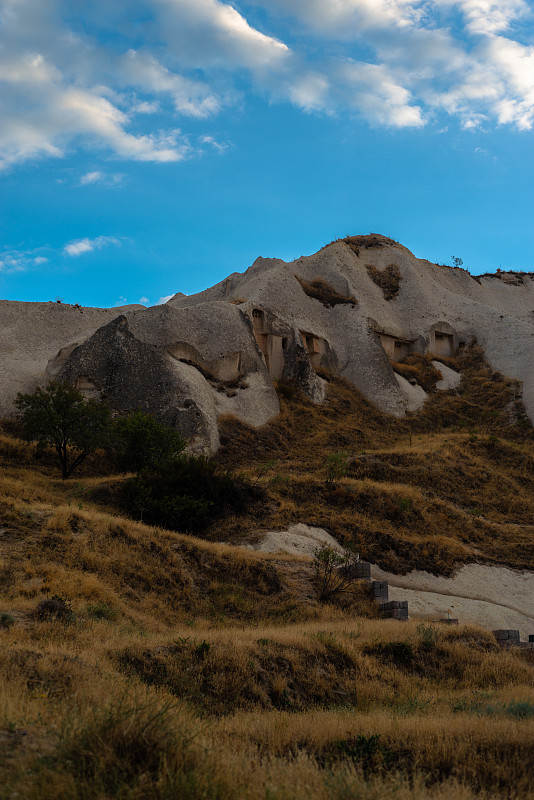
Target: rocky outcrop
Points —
{"points": [[353, 308], [186, 366], [32, 333]]}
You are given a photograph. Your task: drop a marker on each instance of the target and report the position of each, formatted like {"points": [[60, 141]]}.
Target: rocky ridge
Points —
{"points": [[355, 308]]}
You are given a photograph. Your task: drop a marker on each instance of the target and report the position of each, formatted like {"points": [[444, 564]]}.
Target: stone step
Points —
{"points": [[395, 609], [380, 591], [506, 637]]}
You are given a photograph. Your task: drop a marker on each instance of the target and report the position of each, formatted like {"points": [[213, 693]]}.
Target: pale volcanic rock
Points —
{"points": [[33, 333], [218, 351]]}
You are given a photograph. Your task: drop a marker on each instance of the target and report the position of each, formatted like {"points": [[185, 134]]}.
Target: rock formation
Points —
{"points": [[353, 308]]}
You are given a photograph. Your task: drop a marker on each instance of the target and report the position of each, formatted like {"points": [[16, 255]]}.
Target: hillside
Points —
{"points": [[177, 667], [363, 309]]}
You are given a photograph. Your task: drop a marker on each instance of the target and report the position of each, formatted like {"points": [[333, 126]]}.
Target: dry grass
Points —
{"points": [[420, 368], [320, 290], [201, 670], [357, 243], [387, 279], [428, 493]]}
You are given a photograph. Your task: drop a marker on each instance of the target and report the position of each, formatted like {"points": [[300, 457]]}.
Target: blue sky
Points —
{"points": [[155, 146]]}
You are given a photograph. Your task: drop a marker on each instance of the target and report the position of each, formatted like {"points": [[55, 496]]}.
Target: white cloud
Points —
{"points": [[104, 178], [143, 300], [395, 62], [344, 18], [211, 141], [207, 33], [81, 246], [21, 260], [485, 17], [163, 300], [189, 97]]}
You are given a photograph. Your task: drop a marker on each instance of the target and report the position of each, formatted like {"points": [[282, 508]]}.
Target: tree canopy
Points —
{"points": [[59, 416]]}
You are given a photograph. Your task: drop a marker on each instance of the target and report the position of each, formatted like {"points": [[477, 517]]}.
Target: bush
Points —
{"points": [[6, 620], [334, 572], [387, 279], [286, 389], [55, 608], [139, 441], [336, 467], [186, 494]]}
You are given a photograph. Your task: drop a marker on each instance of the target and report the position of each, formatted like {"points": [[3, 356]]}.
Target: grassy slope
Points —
{"points": [[193, 669], [454, 484]]}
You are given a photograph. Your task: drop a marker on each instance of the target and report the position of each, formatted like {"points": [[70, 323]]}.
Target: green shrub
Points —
{"points": [[336, 467], [6, 620], [186, 494], [102, 611], [139, 441]]}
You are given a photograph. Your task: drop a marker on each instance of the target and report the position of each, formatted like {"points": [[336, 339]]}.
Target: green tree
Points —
{"points": [[60, 417], [140, 441]]}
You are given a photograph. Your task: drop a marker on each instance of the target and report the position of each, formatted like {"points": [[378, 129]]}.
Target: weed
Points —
{"points": [[336, 467], [102, 611], [428, 635], [202, 649]]}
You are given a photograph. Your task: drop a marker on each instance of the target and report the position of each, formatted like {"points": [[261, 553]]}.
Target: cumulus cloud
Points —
{"points": [[486, 17], [204, 33], [81, 246], [89, 79], [163, 300]]}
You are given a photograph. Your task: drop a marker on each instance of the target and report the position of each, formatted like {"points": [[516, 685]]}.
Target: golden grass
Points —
{"points": [[201, 670]]}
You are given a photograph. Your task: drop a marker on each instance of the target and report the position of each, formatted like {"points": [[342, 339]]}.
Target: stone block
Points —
{"points": [[399, 613], [507, 637], [394, 605], [380, 591]]}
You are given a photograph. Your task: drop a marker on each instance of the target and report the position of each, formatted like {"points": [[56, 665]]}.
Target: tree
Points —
{"points": [[140, 441], [60, 417]]}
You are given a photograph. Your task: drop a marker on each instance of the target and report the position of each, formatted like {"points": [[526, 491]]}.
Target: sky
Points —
{"points": [[155, 146]]}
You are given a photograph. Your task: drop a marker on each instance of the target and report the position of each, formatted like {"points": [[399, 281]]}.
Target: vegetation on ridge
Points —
{"points": [[320, 290]]}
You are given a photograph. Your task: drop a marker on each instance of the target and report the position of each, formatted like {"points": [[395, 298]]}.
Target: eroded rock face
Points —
{"points": [[184, 366], [371, 303]]}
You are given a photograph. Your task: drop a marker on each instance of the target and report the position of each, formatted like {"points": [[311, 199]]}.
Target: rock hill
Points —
{"points": [[356, 308]]}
